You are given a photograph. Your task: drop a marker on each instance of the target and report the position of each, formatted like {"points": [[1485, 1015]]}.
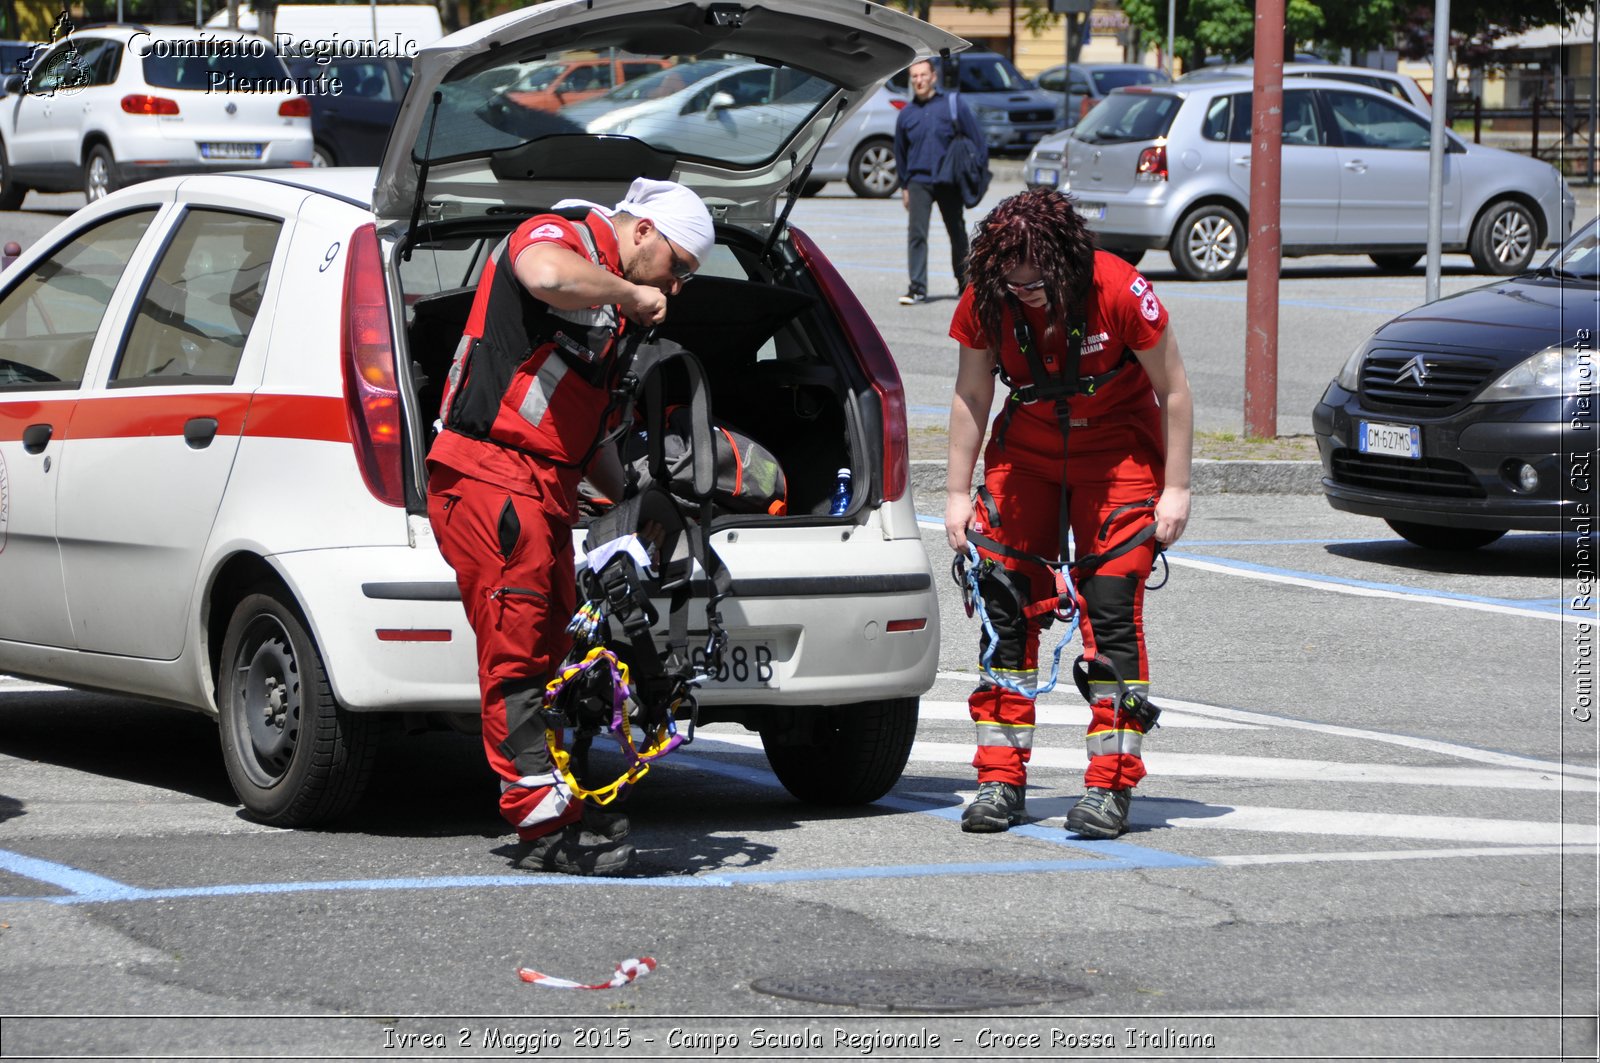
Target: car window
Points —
{"points": [[1374, 122], [990, 73], [586, 78], [1106, 80], [1301, 124], [49, 320], [193, 69], [1581, 255], [364, 81], [1218, 119], [638, 70], [1126, 116], [62, 69], [197, 310], [1371, 81]]}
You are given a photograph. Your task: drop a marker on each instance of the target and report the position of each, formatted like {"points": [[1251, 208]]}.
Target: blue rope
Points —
{"points": [[986, 658]]}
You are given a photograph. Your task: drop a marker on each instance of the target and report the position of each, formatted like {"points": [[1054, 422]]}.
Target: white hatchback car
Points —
{"points": [[217, 392], [111, 105]]}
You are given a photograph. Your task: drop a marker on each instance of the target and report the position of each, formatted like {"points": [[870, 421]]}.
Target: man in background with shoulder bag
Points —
{"points": [[925, 149]]}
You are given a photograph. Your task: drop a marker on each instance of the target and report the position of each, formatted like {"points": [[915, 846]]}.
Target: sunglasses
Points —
{"points": [[682, 272], [1031, 286]]}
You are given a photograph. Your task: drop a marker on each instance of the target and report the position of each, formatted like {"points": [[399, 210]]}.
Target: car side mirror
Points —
{"points": [[720, 101], [13, 84]]}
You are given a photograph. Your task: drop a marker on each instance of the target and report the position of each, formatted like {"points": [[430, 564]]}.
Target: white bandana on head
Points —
{"points": [[671, 207]]}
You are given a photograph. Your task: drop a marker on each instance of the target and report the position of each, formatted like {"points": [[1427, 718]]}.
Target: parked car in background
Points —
{"points": [[1091, 82], [1014, 114], [741, 113], [109, 106], [1468, 417], [217, 394], [860, 150], [1400, 86], [1169, 167], [14, 54], [351, 127], [551, 86]]}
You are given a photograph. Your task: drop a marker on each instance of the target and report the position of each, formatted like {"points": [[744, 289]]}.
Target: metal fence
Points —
{"points": [[1531, 113]]}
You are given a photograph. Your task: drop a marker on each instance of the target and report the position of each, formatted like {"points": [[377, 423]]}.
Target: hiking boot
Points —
{"points": [[1100, 813], [611, 826], [998, 806], [913, 298], [574, 851]]}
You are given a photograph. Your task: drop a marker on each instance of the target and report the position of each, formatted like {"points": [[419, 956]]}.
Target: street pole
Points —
{"points": [[1172, 18], [1266, 246], [1441, 111]]}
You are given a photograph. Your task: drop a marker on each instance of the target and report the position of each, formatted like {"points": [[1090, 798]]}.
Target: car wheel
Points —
{"points": [[1439, 537], [1209, 244], [11, 193], [295, 758], [1504, 239], [872, 172], [1395, 262], [322, 156], [99, 173], [811, 188], [844, 754]]}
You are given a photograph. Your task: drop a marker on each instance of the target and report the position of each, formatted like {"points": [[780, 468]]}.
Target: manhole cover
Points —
{"points": [[961, 989]]}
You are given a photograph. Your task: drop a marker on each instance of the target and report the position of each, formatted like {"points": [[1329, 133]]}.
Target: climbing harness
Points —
{"points": [[615, 682], [970, 570]]}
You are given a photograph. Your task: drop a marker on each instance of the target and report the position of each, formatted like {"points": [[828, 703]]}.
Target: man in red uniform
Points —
{"points": [[1112, 455], [524, 408]]}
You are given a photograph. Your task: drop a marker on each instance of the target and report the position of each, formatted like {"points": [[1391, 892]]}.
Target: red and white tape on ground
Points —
{"points": [[627, 971]]}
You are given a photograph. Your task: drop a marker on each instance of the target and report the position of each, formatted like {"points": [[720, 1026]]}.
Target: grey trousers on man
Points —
{"points": [[922, 198]]}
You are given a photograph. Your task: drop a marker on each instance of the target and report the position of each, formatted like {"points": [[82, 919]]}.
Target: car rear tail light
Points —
{"points": [[874, 357], [899, 105], [1152, 164], [299, 107], [141, 103], [371, 388]]}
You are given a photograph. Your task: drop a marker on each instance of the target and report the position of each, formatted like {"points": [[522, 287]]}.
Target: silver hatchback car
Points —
{"points": [[1169, 167]]}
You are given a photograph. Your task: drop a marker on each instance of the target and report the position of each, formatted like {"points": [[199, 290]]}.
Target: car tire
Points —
{"points": [[295, 758], [844, 754], [99, 173], [11, 193], [1396, 261], [322, 155], [1209, 244], [1504, 239], [872, 172], [1439, 537], [811, 188]]}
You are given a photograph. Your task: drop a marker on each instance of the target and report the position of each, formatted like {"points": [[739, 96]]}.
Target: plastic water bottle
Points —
{"points": [[841, 495]]}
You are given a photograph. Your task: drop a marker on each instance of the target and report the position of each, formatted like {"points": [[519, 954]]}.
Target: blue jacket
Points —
{"points": [[923, 132]]}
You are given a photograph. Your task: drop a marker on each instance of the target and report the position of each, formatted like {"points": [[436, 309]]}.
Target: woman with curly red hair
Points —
{"points": [[1096, 436]]}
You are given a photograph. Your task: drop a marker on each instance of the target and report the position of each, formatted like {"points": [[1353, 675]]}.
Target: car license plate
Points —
{"points": [[744, 665], [1392, 440], [1047, 177], [230, 151], [1092, 211]]}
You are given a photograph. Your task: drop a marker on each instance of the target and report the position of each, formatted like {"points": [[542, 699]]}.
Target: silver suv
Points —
{"points": [[1169, 167]]}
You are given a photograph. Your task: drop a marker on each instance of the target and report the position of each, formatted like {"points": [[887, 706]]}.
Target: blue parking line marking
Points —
{"points": [[83, 887], [1345, 581]]}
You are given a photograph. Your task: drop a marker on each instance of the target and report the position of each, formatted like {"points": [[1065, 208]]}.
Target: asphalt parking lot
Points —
{"points": [[1369, 829]]}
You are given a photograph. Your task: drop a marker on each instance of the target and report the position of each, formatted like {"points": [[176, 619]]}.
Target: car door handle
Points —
{"points": [[1243, 160], [36, 437], [198, 432], [1356, 166]]}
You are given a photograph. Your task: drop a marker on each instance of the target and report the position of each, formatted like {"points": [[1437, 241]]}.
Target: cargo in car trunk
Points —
{"points": [[780, 371]]}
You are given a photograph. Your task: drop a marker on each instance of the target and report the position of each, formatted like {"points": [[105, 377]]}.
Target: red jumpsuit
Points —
{"points": [[1115, 457], [520, 412]]}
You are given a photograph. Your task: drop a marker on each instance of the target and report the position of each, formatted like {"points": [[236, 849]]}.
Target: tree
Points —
{"points": [[1475, 25]]}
